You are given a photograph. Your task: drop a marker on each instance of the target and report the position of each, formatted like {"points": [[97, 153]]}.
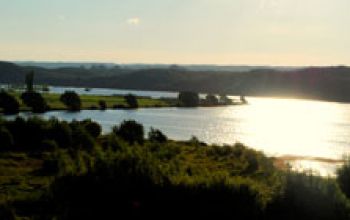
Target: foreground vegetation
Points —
{"points": [[51, 169]]}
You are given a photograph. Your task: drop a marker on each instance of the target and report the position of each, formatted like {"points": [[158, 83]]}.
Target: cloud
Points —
{"points": [[133, 21]]}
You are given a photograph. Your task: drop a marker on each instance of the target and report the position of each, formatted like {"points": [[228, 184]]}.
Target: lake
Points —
{"points": [[310, 131]]}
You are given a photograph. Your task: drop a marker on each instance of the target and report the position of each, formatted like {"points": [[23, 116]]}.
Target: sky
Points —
{"points": [[224, 32]]}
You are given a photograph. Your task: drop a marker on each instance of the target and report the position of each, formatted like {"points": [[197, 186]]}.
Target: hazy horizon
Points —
{"points": [[198, 32]]}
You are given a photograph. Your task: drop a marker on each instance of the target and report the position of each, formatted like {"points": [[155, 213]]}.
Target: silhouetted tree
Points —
{"points": [[72, 100], [188, 99], [155, 135], [211, 99], [102, 104], [35, 101], [30, 81], [131, 100], [130, 131], [8, 103]]}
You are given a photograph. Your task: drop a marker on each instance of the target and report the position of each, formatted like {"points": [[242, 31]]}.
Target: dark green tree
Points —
{"points": [[72, 100], [30, 81], [188, 99], [211, 99], [131, 100], [35, 101], [8, 103], [102, 104], [130, 131]]}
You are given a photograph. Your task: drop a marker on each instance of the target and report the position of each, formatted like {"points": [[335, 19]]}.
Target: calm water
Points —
{"points": [[276, 126]]}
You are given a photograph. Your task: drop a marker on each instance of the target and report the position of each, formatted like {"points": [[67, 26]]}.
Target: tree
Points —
{"points": [[188, 99], [131, 100], [35, 101], [130, 131], [155, 135], [211, 99], [30, 81], [8, 103], [225, 100], [72, 100], [102, 104]]}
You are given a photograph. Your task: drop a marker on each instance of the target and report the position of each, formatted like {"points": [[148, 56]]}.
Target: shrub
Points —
{"points": [[61, 133], [81, 138], [8, 103], [72, 100], [6, 139], [130, 131], [48, 145], [155, 135], [93, 128], [343, 177]]}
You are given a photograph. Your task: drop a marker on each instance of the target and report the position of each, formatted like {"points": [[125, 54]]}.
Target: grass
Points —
{"points": [[91, 101]]}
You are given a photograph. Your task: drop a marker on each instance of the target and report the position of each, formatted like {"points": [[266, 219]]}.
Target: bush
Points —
{"points": [[188, 99], [35, 101], [305, 196], [81, 138], [343, 177], [93, 128], [72, 100], [130, 131], [48, 145], [61, 133], [8, 103], [131, 100], [6, 139], [155, 135]]}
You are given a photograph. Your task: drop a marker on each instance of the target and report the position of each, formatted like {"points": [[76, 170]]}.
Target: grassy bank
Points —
{"points": [[92, 102]]}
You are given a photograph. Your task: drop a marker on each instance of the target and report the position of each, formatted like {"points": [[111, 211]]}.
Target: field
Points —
{"points": [[91, 101]]}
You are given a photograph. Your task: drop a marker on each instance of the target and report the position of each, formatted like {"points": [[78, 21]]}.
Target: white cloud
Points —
{"points": [[134, 21]]}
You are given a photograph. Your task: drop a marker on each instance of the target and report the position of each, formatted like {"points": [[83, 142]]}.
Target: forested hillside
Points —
{"points": [[328, 83]]}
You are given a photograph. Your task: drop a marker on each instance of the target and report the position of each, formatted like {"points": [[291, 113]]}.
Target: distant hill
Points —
{"points": [[327, 83], [87, 65]]}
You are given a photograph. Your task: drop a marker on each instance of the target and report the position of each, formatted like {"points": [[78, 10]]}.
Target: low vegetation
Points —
{"points": [[51, 169]]}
